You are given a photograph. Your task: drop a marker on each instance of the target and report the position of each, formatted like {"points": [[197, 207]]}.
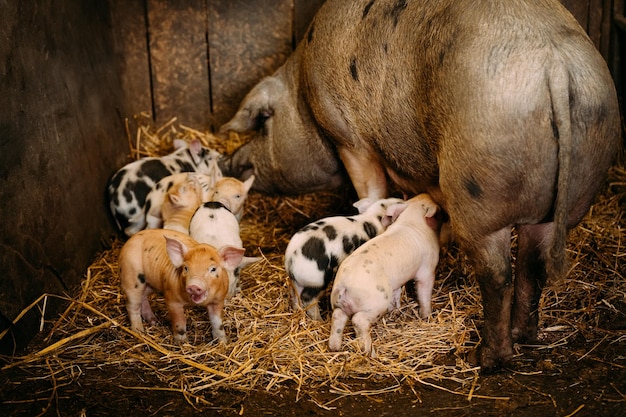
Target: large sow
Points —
{"points": [[502, 110]]}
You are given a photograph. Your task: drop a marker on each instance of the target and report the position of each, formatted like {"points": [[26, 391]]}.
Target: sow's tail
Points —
{"points": [[558, 84]]}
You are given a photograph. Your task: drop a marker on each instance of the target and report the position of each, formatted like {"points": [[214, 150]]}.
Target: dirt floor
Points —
{"points": [[586, 377]]}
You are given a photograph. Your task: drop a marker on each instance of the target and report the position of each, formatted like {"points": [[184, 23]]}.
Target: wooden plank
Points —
{"points": [[580, 10], [128, 21], [178, 52], [247, 41], [594, 27], [304, 11]]}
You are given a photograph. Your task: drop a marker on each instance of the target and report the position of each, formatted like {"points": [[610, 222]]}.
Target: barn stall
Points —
{"points": [[88, 87]]}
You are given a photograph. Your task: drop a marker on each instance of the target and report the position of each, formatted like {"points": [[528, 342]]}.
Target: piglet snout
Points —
{"points": [[196, 293]]}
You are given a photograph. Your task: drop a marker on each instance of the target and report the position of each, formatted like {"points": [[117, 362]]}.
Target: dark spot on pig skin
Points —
{"points": [[315, 250], [309, 36], [140, 190], [473, 188], [367, 8], [153, 169], [351, 219], [369, 229], [330, 231], [308, 227], [169, 185], [214, 205], [353, 70], [351, 243], [182, 332], [141, 278], [185, 166], [397, 10], [380, 288], [309, 294]]}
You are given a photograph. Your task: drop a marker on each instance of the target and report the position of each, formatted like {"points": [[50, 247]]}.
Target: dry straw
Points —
{"points": [[272, 345]]}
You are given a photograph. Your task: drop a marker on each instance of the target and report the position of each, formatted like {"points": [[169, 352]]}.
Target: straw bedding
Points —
{"points": [[272, 345]]}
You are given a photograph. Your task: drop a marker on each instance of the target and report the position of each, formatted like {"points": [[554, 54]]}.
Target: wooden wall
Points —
{"points": [[61, 138], [196, 59]]}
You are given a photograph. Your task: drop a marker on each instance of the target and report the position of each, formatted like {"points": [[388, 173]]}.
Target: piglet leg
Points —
{"points": [[217, 326], [338, 323], [178, 320]]}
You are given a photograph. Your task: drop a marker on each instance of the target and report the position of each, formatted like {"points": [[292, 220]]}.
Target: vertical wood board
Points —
{"points": [[179, 61], [247, 41], [128, 20]]}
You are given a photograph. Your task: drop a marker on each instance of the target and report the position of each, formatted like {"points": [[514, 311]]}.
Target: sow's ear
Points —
{"points": [[256, 107]]}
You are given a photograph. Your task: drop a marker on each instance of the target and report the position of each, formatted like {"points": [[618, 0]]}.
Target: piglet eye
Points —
{"points": [[185, 269], [213, 269]]}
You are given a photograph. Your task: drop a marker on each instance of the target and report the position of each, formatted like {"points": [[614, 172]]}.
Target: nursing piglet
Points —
{"points": [[369, 282], [232, 193], [186, 272], [217, 226], [315, 251], [180, 204]]}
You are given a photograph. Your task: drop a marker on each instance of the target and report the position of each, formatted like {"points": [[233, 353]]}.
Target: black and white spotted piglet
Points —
{"points": [[128, 188], [315, 251]]}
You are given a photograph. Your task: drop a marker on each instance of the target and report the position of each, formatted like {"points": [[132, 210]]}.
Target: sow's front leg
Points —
{"points": [[491, 259], [365, 171]]}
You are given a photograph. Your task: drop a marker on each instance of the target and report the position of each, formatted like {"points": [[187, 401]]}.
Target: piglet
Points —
{"points": [[232, 193], [186, 272], [180, 204], [157, 196], [315, 251], [216, 225], [128, 188], [369, 282]]}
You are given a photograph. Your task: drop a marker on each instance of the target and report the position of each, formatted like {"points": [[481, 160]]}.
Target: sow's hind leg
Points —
{"points": [[491, 259], [530, 278]]}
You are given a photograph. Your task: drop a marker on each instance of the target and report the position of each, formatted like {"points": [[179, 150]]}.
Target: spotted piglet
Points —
{"points": [[216, 225], [186, 272], [181, 202], [369, 282], [315, 251], [128, 188], [232, 193], [157, 196]]}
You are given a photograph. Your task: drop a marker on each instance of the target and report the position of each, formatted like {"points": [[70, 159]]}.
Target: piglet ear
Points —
{"points": [[231, 256], [195, 149], [395, 210], [247, 184], [179, 144], [363, 204], [176, 250]]}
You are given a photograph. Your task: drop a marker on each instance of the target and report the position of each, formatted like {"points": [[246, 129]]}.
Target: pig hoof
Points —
{"points": [[180, 338], [491, 363]]}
